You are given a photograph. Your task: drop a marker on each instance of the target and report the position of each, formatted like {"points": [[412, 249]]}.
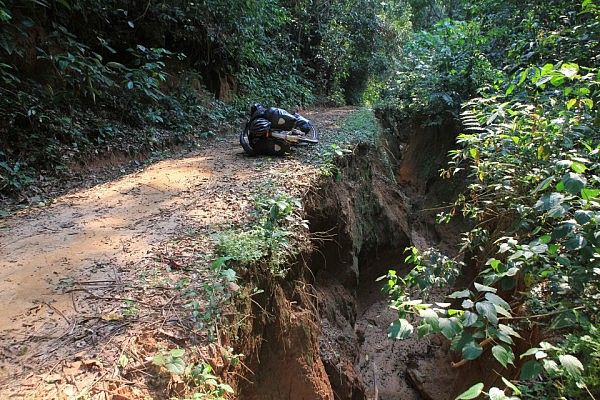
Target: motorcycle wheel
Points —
{"points": [[245, 142]]}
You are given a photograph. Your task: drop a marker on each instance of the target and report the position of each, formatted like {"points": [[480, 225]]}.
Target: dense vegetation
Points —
{"points": [[525, 77], [86, 77], [79, 78]]}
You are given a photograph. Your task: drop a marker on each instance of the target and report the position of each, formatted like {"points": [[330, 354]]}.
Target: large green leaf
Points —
{"points": [[472, 393], [583, 216], [177, 353], [471, 350], [424, 330], [578, 167], [469, 318], [503, 336], [484, 288], [572, 365], [590, 194], [512, 387], [449, 327], [497, 300], [569, 70], [574, 183], [577, 242], [175, 366], [503, 354], [497, 394], [543, 185], [508, 330], [488, 310], [400, 329], [549, 201], [530, 370], [460, 294], [564, 229], [430, 317]]}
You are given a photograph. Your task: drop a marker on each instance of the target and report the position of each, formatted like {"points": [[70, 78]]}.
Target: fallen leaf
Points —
{"points": [[112, 316], [54, 378]]}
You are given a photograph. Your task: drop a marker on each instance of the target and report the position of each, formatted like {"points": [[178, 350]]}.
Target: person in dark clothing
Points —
{"points": [[263, 121]]}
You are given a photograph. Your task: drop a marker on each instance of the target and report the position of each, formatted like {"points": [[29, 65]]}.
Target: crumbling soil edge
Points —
{"points": [[309, 328]]}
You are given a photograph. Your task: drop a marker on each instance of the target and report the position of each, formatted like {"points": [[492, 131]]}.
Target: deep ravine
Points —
{"points": [[331, 316]]}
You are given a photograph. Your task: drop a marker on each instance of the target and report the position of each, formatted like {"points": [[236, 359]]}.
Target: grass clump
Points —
{"points": [[270, 238], [361, 126]]}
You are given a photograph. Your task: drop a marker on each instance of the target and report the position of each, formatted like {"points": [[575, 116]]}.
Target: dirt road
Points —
{"points": [[50, 257]]}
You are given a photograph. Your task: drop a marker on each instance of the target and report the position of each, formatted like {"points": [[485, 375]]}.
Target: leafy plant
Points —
{"points": [[13, 177], [534, 173], [199, 377], [208, 385], [208, 299], [269, 237], [171, 360]]}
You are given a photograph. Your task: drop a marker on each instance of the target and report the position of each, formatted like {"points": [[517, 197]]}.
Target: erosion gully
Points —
{"points": [[322, 332]]}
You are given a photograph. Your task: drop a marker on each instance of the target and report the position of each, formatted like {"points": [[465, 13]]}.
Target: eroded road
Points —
{"points": [[99, 236]]}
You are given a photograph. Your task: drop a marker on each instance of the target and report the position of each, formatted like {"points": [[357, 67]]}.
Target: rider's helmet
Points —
{"points": [[260, 127], [256, 107]]}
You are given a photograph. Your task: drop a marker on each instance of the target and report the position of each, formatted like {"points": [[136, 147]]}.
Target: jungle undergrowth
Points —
{"points": [[534, 199], [360, 127], [531, 149], [273, 236]]}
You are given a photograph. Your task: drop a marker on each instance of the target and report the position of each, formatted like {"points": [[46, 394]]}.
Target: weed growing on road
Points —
{"points": [[328, 167], [277, 218], [209, 299], [359, 127], [198, 378]]}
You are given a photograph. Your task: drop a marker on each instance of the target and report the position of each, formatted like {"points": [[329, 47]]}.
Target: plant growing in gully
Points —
{"points": [[534, 198]]}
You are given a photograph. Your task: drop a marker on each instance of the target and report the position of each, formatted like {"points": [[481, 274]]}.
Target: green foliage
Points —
{"points": [[534, 170], [172, 361], [245, 247], [199, 377], [520, 34], [270, 237], [438, 69], [209, 386], [462, 45], [472, 393], [358, 127], [328, 166], [532, 153], [208, 299], [12, 177]]}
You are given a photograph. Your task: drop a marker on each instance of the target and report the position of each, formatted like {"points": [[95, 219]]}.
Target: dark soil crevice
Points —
{"points": [[332, 341]]}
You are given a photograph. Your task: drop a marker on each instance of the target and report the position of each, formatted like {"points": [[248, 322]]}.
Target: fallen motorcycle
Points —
{"points": [[274, 131]]}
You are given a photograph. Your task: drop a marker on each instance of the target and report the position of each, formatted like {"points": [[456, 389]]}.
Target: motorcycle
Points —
{"points": [[264, 136]]}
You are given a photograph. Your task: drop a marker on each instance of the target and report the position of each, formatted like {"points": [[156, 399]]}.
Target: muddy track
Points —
{"points": [[102, 272], [51, 257]]}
